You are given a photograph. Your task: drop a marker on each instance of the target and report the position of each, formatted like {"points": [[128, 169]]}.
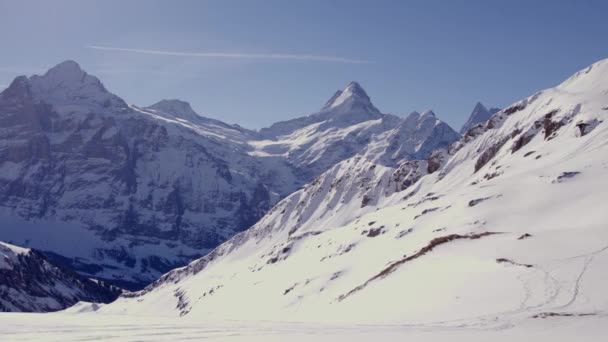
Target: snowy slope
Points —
{"points": [[479, 115], [509, 226], [29, 282]]}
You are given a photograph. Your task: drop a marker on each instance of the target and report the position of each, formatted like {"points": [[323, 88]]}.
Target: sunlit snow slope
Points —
{"points": [[513, 223]]}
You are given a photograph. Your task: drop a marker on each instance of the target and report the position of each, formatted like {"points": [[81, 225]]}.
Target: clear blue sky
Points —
{"points": [[444, 55]]}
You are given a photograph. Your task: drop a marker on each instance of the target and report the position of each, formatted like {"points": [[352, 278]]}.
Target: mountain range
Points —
{"points": [[503, 227], [126, 193], [355, 218]]}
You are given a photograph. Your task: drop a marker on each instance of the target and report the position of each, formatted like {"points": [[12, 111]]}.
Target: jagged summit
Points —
{"points": [[352, 97], [67, 84], [354, 87], [478, 115], [346, 107], [417, 116]]}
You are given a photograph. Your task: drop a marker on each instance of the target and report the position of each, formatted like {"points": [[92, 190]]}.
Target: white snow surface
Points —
{"points": [[91, 327]]}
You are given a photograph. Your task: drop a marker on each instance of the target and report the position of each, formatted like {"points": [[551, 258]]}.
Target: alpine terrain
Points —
{"points": [[504, 227], [143, 190]]}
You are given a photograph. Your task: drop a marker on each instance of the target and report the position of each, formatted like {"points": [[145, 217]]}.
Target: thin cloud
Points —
{"points": [[131, 71], [227, 55]]}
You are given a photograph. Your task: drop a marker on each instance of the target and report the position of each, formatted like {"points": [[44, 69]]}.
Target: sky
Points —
{"points": [[255, 62]]}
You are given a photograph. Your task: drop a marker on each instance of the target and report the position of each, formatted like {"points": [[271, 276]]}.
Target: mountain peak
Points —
{"points": [[67, 74], [479, 107], [66, 83], [479, 114], [429, 113], [355, 87], [178, 108], [351, 98], [66, 67]]}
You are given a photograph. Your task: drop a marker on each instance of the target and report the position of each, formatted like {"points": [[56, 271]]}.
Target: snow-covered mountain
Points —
{"points": [[480, 114], [348, 125], [146, 189], [505, 225], [29, 282], [141, 189]]}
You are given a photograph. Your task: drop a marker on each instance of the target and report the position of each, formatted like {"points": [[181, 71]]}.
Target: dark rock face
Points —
{"points": [[585, 127], [489, 153], [30, 283]]}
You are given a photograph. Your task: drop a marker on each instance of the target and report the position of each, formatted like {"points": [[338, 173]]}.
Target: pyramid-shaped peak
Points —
{"points": [[354, 89], [479, 107], [479, 114], [354, 86], [353, 95]]}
